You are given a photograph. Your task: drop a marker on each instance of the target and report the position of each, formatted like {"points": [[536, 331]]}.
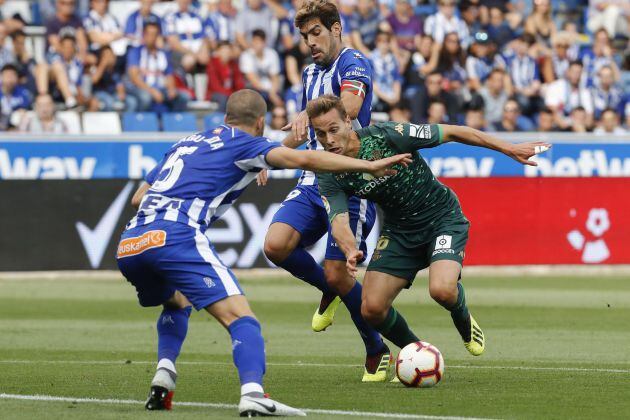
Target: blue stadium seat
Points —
{"points": [[179, 121], [140, 121], [213, 120]]}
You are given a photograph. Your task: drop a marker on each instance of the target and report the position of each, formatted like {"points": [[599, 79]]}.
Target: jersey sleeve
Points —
{"points": [[411, 137], [355, 73], [334, 197], [252, 155]]}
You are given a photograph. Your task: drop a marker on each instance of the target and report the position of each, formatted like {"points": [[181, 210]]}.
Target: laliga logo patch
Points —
{"points": [[443, 242]]}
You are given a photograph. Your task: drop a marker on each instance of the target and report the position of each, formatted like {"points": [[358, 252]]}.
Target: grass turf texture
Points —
{"points": [[548, 341]]}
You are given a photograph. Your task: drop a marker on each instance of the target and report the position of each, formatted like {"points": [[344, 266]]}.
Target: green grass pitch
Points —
{"points": [[557, 347]]}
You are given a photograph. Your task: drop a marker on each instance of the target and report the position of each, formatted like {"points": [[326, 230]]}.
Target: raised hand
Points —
{"points": [[298, 126]]}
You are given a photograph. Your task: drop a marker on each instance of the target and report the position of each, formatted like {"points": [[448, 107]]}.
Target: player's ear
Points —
{"points": [[260, 125], [336, 29]]}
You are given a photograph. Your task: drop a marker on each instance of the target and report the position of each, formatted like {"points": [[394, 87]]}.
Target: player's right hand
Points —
{"points": [[261, 178], [383, 167], [298, 126], [352, 260]]}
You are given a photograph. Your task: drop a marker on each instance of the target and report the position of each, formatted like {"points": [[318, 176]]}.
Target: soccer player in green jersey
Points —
{"points": [[424, 224]]}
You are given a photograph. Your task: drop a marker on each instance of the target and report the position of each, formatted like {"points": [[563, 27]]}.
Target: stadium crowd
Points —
{"points": [[502, 65]]}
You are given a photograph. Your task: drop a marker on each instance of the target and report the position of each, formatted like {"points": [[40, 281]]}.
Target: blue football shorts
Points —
{"points": [[304, 211], [162, 257]]}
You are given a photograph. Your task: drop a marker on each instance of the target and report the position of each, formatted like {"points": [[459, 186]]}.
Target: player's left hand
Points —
{"points": [[261, 178], [383, 167], [521, 152], [352, 260]]}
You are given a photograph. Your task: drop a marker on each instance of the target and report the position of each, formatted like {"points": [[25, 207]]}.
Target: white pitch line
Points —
{"points": [[145, 362], [232, 406]]}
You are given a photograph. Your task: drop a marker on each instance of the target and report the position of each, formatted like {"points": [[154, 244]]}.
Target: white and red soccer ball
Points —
{"points": [[420, 365]]}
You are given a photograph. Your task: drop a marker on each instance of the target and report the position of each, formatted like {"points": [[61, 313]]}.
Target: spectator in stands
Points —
{"points": [[261, 67], [296, 59], [136, 20], [525, 74], [65, 72], [255, 16], [611, 15], [609, 123], [498, 28], [556, 64], [437, 113], [565, 94], [43, 120], [475, 118], [540, 23], [278, 120], [479, 63], [419, 65], [444, 22], [23, 61], [347, 9], [12, 23], [405, 26], [188, 36], [6, 55], [606, 94], [494, 96], [365, 25], [598, 56], [387, 78], [151, 75], [110, 94], [106, 39], [224, 75], [433, 92], [451, 62], [65, 21], [13, 96], [469, 12], [510, 117], [400, 112], [546, 120], [579, 121], [224, 21]]}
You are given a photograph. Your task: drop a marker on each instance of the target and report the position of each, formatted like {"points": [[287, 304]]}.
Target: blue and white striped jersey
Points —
{"points": [[201, 176], [350, 66]]}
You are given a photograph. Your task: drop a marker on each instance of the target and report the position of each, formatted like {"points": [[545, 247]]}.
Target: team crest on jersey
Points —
{"points": [[400, 129], [217, 130], [138, 244]]}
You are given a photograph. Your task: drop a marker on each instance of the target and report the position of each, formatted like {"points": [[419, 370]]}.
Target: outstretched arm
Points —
{"points": [[284, 157], [520, 152]]}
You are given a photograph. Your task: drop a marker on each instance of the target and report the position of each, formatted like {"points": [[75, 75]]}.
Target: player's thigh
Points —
{"points": [[362, 215], [139, 263], [446, 255], [177, 301], [379, 291], [337, 276], [281, 239], [230, 309], [194, 268]]}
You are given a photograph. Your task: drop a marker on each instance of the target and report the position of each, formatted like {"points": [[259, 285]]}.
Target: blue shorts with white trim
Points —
{"points": [[162, 257], [304, 211]]}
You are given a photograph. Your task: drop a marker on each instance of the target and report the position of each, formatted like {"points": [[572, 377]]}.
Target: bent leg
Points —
{"points": [[379, 291], [172, 327], [445, 289]]}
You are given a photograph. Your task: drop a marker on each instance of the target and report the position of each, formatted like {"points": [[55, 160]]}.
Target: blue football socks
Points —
{"points": [[371, 338], [172, 326], [248, 352], [302, 265]]}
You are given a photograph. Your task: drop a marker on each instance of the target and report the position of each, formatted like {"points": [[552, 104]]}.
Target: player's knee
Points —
{"points": [[443, 293], [276, 250], [374, 312]]}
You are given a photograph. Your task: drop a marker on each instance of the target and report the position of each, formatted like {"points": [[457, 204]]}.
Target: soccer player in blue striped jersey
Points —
{"points": [[301, 220], [165, 254]]}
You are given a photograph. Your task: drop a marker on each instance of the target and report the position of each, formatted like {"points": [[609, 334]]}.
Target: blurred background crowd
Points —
{"points": [[500, 65]]}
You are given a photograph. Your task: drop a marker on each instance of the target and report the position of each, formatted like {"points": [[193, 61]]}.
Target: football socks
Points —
{"points": [[396, 330], [371, 337], [460, 315], [172, 326], [248, 350], [302, 265]]}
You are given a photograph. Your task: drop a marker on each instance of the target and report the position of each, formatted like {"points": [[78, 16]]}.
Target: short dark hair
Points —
{"points": [[576, 63], [546, 110], [259, 33], [245, 107], [17, 34], [325, 11], [9, 67], [495, 71], [528, 38], [323, 105], [148, 23]]}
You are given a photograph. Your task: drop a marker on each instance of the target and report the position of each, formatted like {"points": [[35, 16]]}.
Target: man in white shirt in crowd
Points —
{"points": [[565, 94], [261, 67]]}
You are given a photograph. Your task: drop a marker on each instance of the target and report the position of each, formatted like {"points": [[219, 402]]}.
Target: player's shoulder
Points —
{"points": [[349, 55]]}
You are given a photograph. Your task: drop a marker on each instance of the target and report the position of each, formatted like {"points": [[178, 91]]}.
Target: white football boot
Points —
{"points": [[254, 406]]}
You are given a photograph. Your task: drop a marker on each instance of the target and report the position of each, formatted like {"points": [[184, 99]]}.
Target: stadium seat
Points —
{"points": [[72, 120], [201, 84], [179, 121], [101, 123], [140, 121], [213, 120]]}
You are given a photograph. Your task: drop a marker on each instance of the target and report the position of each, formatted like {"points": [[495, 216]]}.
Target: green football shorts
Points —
{"points": [[403, 253]]}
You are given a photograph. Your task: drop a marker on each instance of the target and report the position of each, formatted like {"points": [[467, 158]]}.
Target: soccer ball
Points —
{"points": [[420, 364]]}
